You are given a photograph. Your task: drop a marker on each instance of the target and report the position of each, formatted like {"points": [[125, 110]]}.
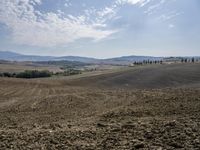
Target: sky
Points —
{"points": [[100, 28]]}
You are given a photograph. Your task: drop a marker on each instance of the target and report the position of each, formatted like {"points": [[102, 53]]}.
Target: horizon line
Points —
{"points": [[57, 56]]}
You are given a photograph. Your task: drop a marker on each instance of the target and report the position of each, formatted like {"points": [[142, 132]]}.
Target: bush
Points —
{"points": [[7, 74], [34, 74]]}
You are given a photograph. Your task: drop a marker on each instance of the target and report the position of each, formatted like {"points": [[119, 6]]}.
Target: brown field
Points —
{"points": [[22, 66], [148, 107]]}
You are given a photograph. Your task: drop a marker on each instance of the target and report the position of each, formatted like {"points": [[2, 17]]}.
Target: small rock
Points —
{"points": [[129, 126], [101, 125], [171, 123], [176, 145], [139, 145], [50, 131], [196, 141], [148, 135]]}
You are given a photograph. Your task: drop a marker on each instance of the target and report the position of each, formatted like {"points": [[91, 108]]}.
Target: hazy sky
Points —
{"points": [[100, 28]]}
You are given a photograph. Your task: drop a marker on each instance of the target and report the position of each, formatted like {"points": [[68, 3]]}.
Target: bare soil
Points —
{"points": [[158, 109], [14, 67]]}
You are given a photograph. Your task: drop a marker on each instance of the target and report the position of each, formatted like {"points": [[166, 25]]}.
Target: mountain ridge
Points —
{"points": [[12, 56]]}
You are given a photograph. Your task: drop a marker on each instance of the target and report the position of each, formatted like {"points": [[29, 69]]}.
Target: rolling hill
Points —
{"points": [[150, 107], [145, 77], [11, 56]]}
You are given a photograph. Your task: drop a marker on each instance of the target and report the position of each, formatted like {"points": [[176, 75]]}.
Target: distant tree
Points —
{"points": [[186, 60], [14, 74], [182, 60], [7, 74], [192, 59]]}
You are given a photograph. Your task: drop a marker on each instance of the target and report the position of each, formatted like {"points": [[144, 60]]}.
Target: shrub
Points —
{"points": [[7, 74], [193, 60], [33, 74]]}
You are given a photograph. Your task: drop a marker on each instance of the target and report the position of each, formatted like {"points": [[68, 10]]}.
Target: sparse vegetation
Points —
{"points": [[64, 64], [69, 72]]}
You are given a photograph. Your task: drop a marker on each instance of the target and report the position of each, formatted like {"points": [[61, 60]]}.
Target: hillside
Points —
{"points": [[145, 77], [102, 111]]}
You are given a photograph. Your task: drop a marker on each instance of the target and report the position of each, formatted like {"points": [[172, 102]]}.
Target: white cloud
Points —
{"points": [[152, 8], [169, 16], [171, 26], [133, 2], [106, 11], [31, 27], [67, 3]]}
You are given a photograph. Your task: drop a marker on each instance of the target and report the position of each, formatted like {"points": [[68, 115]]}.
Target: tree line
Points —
{"points": [[182, 60], [28, 74], [145, 62], [186, 60]]}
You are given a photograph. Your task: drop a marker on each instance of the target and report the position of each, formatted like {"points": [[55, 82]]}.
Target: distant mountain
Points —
{"points": [[76, 58], [5, 55], [135, 58], [131, 59], [11, 56]]}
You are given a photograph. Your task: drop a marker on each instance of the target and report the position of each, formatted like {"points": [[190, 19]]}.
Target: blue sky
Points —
{"points": [[100, 28]]}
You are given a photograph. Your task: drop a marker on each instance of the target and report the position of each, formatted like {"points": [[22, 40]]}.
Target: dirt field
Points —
{"points": [[146, 77], [151, 107], [22, 66]]}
